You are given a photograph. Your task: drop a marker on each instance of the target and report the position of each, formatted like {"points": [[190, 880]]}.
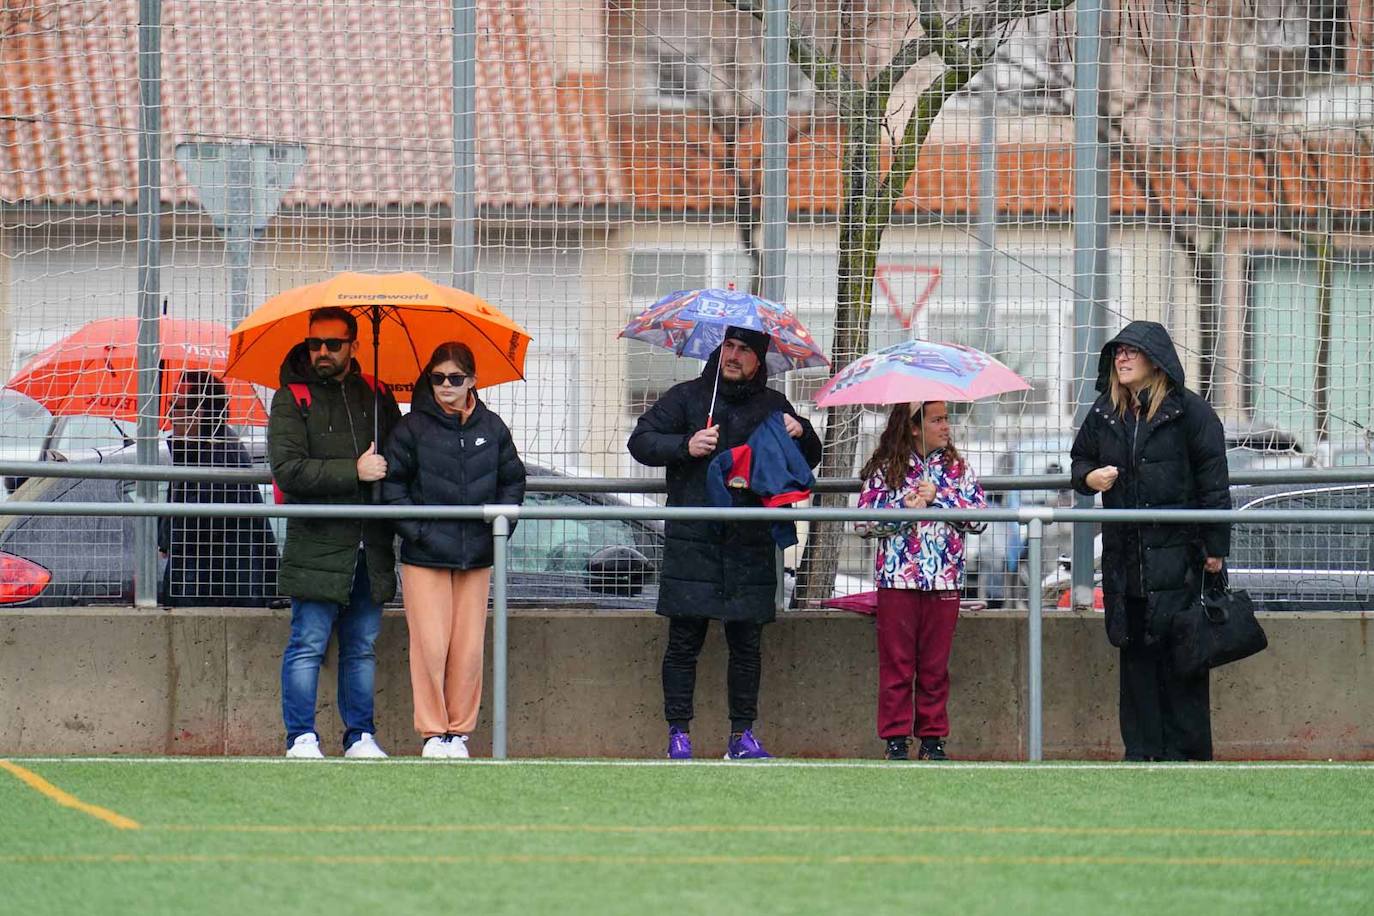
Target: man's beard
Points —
{"points": [[326, 369], [736, 371]]}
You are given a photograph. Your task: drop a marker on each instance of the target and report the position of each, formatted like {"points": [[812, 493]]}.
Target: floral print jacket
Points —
{"points": [[922, 555]]}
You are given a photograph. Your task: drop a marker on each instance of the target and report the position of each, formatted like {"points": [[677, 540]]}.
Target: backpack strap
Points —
{"points": [[376, 386], [301, 392]]}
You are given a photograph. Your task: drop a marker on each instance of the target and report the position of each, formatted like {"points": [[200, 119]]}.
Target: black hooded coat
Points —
{"points": [[436, 458], [720, 570], [1177, 460], [223, 561]]}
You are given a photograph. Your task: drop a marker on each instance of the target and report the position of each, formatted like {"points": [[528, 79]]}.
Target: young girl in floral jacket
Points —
{"points": [[919, 571]]}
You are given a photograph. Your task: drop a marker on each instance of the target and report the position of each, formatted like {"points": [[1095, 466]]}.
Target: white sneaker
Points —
{"points": [[435, 747], [306, 747], [365, 746], [458, 747]]}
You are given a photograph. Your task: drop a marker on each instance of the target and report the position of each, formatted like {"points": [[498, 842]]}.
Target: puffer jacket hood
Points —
{"points": [[1150, 338]]}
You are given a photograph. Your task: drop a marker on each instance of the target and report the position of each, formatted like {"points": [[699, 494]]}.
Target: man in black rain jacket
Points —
{"points": [[716, 570]]}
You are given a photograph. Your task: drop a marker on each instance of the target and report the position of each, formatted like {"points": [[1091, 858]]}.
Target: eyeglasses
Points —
{"points": [[1126, 352], [332, 344], [456, 379]]}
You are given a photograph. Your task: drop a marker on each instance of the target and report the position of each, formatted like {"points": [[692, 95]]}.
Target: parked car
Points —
{"points": [[58, 561], [1301, 566], [1259, 446], [1284, 566], [997, 569]]}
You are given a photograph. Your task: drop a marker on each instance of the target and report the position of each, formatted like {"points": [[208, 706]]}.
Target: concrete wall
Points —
{"points": [[121, 681]]}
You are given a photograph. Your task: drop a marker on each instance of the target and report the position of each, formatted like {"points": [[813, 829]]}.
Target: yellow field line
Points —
{"points": [[676, 860], [41, 785], [763, 828]]}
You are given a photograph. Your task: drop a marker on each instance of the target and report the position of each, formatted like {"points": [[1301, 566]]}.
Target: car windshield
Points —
{"points": [[23, 422]]}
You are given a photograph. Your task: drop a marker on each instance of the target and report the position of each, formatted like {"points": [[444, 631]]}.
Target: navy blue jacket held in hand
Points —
{"points": [[769, 465]]}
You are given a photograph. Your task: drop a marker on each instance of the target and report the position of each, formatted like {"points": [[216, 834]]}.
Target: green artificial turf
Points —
{"points": [[245, 837]]}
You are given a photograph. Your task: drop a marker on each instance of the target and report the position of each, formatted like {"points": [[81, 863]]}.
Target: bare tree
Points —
{"points": [[17, 15], [1221, 75], [834, 45]]}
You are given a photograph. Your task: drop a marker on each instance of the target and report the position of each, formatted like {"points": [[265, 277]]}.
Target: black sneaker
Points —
{"points": [[932, 749], [898, 749]]}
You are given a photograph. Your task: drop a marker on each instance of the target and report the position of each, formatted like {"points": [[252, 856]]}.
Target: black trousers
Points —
{"points": [[1163, 716], [685, 638]]}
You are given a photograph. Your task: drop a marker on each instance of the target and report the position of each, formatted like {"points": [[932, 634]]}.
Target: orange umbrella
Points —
{"points": [[402, 317], [93, 371]]}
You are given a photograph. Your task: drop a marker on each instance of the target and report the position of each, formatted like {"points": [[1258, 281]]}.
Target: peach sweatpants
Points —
{"points": [[446, 613]]}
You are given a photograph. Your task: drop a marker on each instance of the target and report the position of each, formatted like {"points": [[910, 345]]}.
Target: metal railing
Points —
{"points": [[1033, 520]]}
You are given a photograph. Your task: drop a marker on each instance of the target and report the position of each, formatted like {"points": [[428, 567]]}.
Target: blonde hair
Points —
{"points": [[1156, 389]]}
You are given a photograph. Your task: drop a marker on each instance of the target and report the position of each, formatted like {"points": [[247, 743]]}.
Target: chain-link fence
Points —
{"points": [[1204, 164]]}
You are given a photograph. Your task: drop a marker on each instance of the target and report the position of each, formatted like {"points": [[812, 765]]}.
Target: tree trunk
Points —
{"points": [[1321, 369], [859, 241]]}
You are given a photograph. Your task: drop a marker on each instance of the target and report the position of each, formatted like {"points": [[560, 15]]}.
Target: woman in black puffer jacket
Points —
{"points": [[1150, 443], [450, 450]]}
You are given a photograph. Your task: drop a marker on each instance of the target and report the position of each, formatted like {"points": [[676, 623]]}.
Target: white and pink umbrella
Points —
{"points": [[919, 371]]}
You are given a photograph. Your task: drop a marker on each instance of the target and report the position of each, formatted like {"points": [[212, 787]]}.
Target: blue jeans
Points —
{"points": [[311, 623]]}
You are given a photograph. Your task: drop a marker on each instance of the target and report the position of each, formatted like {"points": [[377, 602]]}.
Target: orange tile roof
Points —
{"points": [[676, 162], [375, 118], [363, 84]]}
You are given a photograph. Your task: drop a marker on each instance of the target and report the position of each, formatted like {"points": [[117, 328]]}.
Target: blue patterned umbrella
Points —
{"points": [[692, 322]]}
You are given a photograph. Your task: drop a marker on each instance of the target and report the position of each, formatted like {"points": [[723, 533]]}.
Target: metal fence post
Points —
{"points": [[773, 251], [500, 530], [149, 287], [463, 210], [1090, 243], [1035, 645]]}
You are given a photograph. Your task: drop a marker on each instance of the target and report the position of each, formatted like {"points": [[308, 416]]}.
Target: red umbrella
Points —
{"points": [[93, 372]]}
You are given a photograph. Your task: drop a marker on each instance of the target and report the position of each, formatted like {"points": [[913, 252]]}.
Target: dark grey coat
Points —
{"points": [[314, 455], [1177, 460], [719, 570]]}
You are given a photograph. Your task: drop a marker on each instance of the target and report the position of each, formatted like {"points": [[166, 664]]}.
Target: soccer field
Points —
{"points": [[248, 836]]}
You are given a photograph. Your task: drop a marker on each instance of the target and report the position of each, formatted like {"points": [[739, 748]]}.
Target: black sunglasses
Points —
{"points": [[332, 344], [456, 379]]}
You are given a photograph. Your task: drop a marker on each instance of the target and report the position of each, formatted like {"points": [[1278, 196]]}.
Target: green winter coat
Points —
{"points": [[314, 456]]}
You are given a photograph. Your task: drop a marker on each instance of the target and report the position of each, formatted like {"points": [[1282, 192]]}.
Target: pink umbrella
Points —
{"points": [[919, 371]]}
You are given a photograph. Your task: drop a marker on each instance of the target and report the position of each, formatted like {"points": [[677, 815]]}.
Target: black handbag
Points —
{"points": [[1217, 629]]}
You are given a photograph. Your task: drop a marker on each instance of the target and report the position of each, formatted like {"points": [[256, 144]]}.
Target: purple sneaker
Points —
{"points": [[679, 744], [746, 747]]}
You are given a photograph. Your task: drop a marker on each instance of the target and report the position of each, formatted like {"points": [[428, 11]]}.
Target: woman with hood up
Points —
{"points": [[450, 450], [221, 561], [1150, 443]]}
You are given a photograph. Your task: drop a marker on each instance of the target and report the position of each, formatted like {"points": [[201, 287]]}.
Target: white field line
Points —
{"points": [[948, 766]]}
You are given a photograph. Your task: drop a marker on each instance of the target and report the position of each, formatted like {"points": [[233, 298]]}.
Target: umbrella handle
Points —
{"points": [[710, 411], [376, 392]]}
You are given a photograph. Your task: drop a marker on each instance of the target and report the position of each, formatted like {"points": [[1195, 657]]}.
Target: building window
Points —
{"points": [[1328, 36], [1281, 344]]}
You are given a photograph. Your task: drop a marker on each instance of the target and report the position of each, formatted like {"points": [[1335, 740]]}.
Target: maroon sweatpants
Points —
{"points": [[915, 633]]}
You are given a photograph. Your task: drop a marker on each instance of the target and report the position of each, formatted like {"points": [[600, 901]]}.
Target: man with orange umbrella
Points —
{"points": [[323, 443], [330, 424]]}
